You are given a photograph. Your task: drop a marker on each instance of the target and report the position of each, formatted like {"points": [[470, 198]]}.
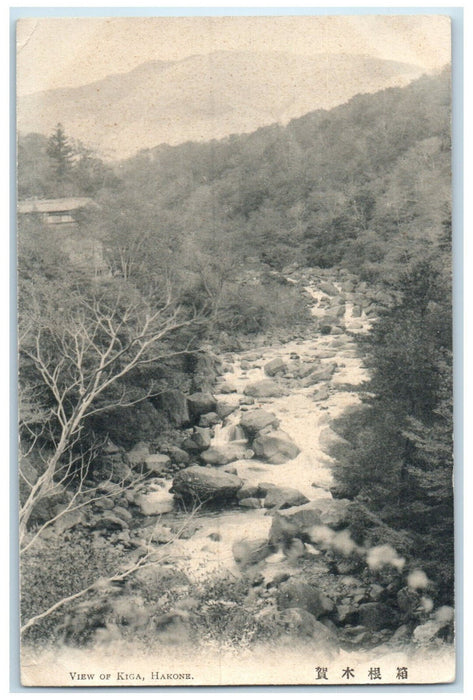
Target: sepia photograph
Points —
{"points": [[235, 387]]}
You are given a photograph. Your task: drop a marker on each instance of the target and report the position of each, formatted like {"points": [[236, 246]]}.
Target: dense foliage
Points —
{"points": [[366, 187], [397, 460]]}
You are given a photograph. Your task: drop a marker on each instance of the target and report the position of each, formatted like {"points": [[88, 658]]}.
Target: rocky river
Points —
{"points": [[247, 496]]}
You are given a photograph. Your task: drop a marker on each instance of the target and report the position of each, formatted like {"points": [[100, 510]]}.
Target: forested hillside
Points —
{"points": [[365, 186], [222, 247]]}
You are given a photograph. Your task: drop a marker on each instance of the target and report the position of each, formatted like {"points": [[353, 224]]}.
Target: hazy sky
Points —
{"points": [[69, 52]]}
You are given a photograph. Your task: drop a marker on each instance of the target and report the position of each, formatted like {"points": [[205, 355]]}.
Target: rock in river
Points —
{"points": [[201, 403], [224, 454], [328, 288], [275, 447], [157, 463], [300, 521], [274, 366], [264, 389], [254, 421], [205, 484], [284, 497], [154, 503]]}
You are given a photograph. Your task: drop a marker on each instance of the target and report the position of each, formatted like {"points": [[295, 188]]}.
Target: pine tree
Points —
{"points": [[61, 155]]}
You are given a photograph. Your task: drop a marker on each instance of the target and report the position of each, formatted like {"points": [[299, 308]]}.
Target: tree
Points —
{"points": [[397, 460], [61, 155], [74, 360]]}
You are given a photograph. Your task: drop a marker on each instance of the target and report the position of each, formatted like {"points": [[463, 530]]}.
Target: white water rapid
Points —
{"points": [[301, 416]]}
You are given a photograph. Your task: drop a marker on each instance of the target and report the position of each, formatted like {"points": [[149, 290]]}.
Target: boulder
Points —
{"points": [[201, 403], [376, 616], [159, 534], [408, 601], [123, 513], [328, 438], [190, 446], [307, 381], [207, 420], [179, 456], [441, 618], [265, 388], [246, 401], [224, 454], [274, 366], [297, 622], [109, 521], [174, 405], [250, 552], [249, 503], [330, 320], [138, 454], [226, 388], [253, 356], [104, 503], [202, 437], [68, 520], [116, 469], [225, 408], [307, 368], [375, 591], [325, 372], [321, 394], [333, 513], [328, 288], [356, 311], [321, 354], [300, 521], [205, 484], [263, 488], [338, 311], [356, 325], [248, 491], [205, 369], [297, 594], [157, 463], [254, 421], [295, 522], [153, 503], [276, 447], [284, 497]]}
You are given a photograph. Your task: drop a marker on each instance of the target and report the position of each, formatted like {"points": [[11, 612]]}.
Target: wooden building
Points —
{"points": [[62, 217]]}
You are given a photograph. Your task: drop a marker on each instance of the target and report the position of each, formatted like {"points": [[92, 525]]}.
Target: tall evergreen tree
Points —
{"points": [[61, 155]]}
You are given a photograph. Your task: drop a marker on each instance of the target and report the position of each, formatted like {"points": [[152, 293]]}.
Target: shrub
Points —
{"points": [[56, 568]]}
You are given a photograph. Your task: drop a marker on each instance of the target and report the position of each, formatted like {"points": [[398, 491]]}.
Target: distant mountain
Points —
{"points": [[204, 97]]}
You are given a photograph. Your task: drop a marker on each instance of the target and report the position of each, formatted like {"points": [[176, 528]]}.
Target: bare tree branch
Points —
{"points": [[79, 361]]}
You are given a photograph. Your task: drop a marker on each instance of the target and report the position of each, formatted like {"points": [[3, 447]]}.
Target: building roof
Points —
{"points": [[29, 206]]}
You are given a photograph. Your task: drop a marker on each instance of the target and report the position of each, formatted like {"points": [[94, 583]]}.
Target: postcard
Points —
{"points": [[235, 350]]}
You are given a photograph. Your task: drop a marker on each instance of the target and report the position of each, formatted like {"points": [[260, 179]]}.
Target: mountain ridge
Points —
{"points": [[204, 96]]}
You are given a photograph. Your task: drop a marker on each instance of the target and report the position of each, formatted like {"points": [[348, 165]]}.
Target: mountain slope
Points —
{"points": [[204, 97]]}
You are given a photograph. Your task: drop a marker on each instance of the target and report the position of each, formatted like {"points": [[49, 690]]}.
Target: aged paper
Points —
{"points": [[235, 351]]}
